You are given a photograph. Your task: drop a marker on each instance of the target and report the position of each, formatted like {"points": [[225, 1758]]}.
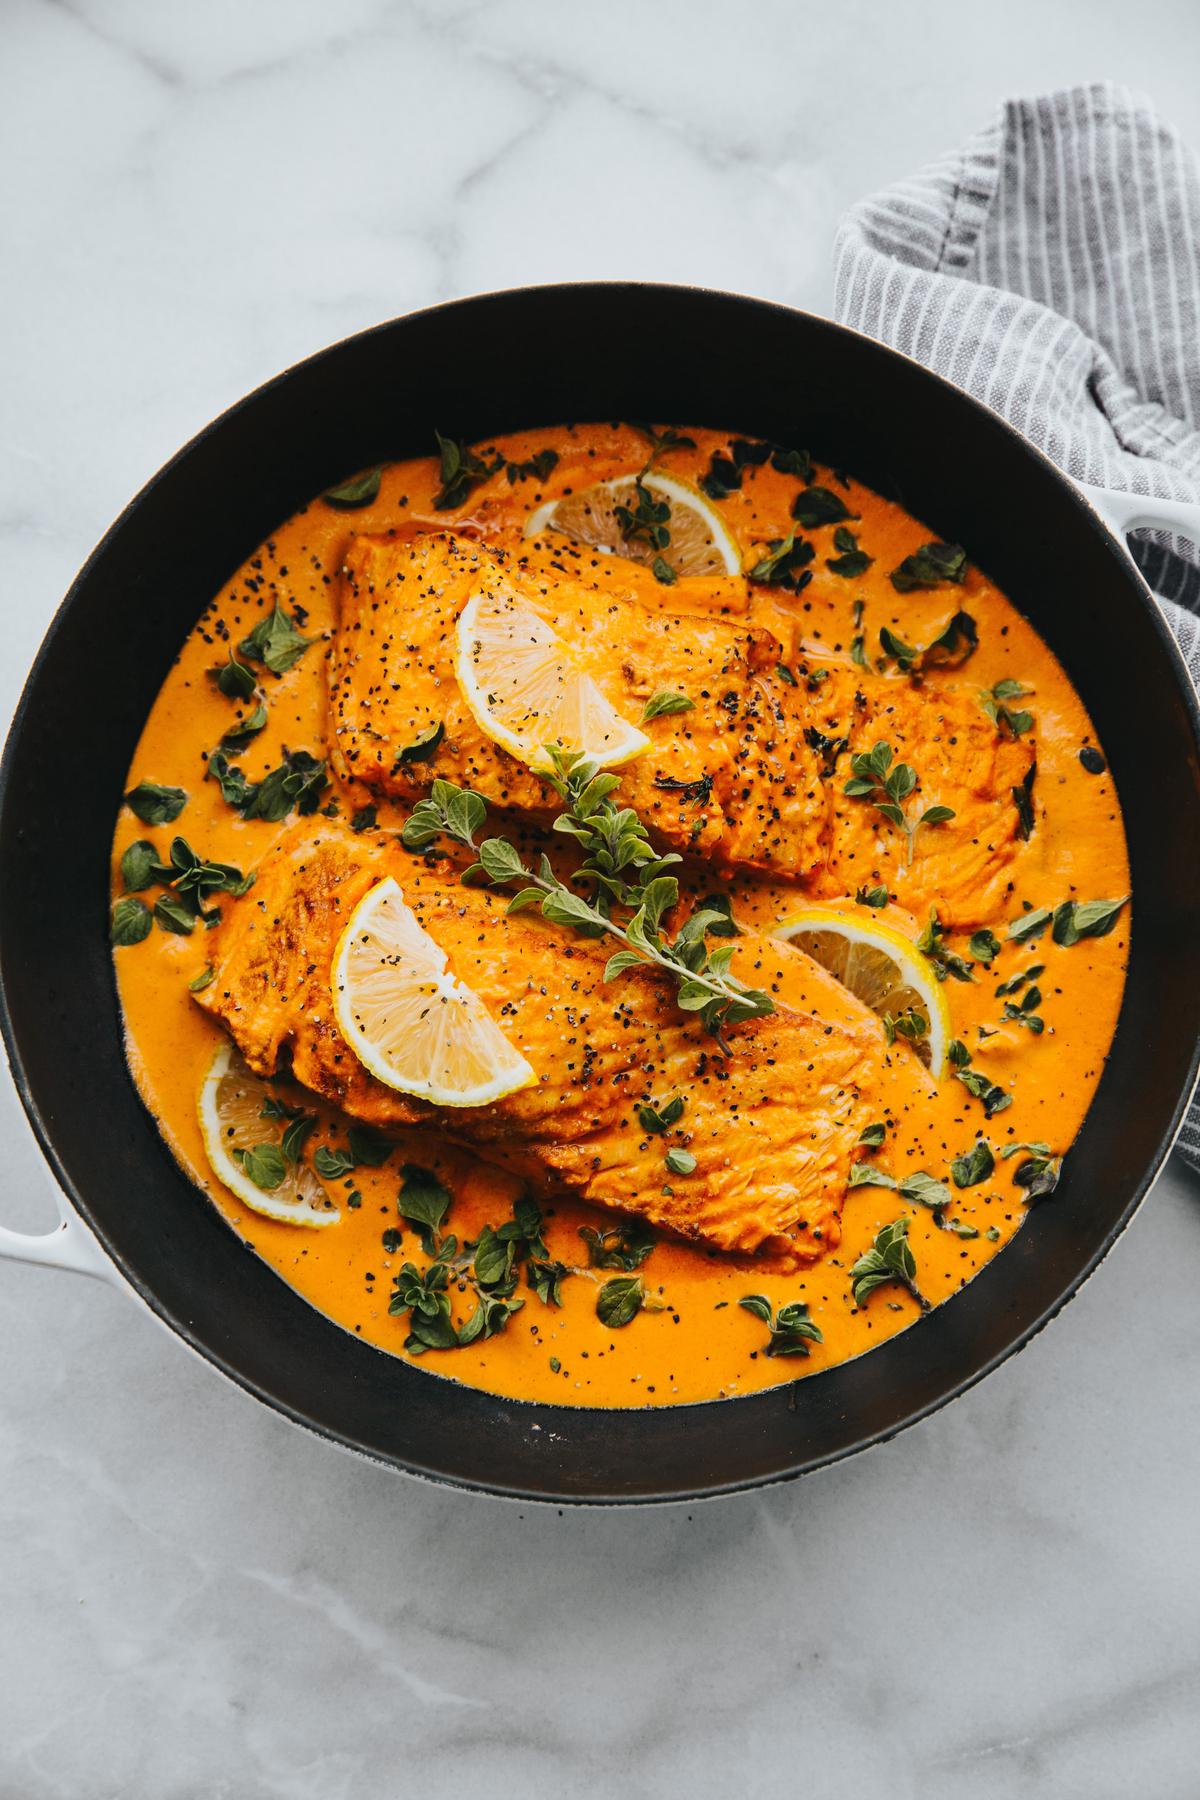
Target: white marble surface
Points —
{"points": [[195, 1600]]}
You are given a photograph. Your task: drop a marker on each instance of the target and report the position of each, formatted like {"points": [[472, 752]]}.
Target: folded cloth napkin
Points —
{"points": [[1051, 266]]}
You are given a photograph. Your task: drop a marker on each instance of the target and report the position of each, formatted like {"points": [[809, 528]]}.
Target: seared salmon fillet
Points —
{"points": [[962, 867], [751, 777], [732, 779], [773, 1126]]}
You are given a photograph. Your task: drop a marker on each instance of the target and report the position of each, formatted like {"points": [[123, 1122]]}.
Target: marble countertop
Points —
{"points": [[200, 1601]]}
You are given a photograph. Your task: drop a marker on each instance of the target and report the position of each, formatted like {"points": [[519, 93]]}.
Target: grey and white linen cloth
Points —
{"points": [[1051, 267]]}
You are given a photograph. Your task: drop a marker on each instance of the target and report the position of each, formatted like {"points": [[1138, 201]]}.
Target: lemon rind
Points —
{"points": [[903, 951], [258, 1200], [521, 1075]]}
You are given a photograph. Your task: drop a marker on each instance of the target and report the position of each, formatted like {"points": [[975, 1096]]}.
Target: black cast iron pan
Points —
{"points": [[501, 361]]}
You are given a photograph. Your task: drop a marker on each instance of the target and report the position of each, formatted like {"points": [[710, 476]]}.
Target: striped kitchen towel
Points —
{"points": [[1051, 266]]}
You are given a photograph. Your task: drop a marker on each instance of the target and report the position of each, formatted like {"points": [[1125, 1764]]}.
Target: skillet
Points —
{"points": [[496, 363]]}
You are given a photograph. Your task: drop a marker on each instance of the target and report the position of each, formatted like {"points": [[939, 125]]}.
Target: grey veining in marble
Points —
{"points": [[196, 1599]]}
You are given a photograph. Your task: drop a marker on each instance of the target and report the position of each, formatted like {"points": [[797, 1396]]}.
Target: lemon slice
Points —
{"points": [[526, 691], [701, 543], [881, 967], [230, 1105], [409, 1021]]}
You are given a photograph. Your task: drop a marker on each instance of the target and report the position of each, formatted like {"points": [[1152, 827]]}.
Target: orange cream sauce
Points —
{"points": [[701, 1344]]}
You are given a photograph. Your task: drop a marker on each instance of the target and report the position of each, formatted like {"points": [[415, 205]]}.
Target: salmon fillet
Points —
{"points": [[752, 777], [963, 867], [733, 779], [773, 1126]]}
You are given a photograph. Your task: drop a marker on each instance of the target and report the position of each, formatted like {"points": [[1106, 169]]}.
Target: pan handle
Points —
{"points": [[1124, 512], [69, 1246]]}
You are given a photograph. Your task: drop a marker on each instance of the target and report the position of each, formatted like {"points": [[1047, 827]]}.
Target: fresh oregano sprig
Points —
{"points": [[887, 785], [623, 871]]}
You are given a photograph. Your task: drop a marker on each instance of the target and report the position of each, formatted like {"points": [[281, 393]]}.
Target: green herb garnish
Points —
{"points": [[931, 944], [648, 522], [792, 1331], [851, 561], [156, 805], [174, 915], [993, 1097], [657, 1119], [423, 747], [360, 490], [462, 471], [890, 1259], [620, 1301], [423, 1202], [858, 644], [1076, 919], [1022, 796], [953, 645], [546, 1279], [1029, 925], [238, 736], [785, 564], [994, 701], [664, 703], [622, 869], [275, 642], [1024, 1011], [626, 1246], [974, 1165], [132, 921], [535, 468], [265, 1164], [297, 784], [331, 1163], [924, 1189], [815, 506], [886, 786], [234, 679], [929, 566]]}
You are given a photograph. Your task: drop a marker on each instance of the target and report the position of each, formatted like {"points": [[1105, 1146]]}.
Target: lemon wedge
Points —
{"points": [[881, 967], [526, 690], [230, 1105], [408, 1020], [700, 542]]}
